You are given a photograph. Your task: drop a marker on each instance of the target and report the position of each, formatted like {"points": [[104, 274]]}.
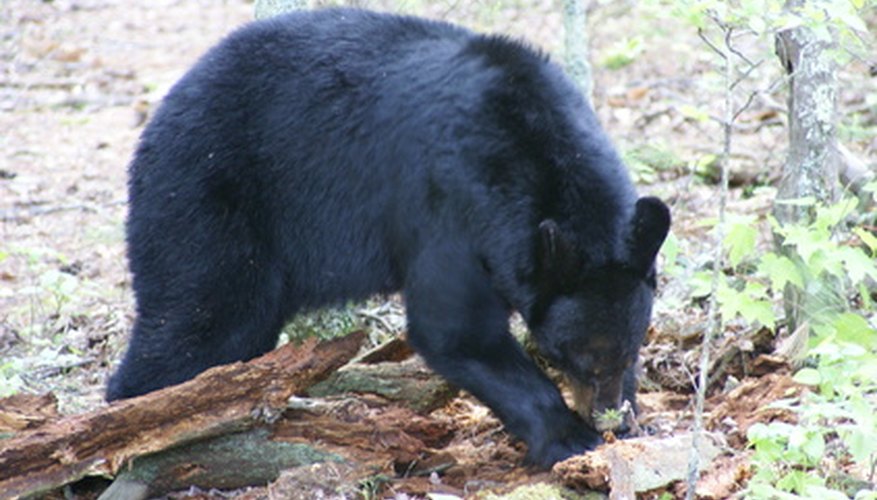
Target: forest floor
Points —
{"points": [[78, 79]]}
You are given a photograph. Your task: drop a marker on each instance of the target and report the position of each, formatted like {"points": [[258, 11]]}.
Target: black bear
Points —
{"points": [[328, 155]]}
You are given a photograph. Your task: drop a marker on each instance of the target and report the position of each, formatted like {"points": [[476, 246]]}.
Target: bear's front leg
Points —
{"points": [[458, 323]]}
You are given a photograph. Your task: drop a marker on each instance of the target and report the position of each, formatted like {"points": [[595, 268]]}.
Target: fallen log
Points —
{"points": [[408, 382], [348, 432], [626, 468], [225, 400]]}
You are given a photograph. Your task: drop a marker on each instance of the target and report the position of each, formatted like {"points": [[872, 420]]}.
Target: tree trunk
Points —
{"points": [[575, 28], [811, 166], [269, 8]]}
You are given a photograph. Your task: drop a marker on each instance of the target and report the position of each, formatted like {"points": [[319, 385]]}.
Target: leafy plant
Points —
{"points": [[647, 161], [837, 424], [623, 53]]}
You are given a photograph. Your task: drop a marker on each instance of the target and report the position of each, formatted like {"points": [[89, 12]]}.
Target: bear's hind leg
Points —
{"points": [[225, 316]]}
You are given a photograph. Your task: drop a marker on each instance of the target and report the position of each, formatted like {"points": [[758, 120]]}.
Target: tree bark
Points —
{"points": [[345, 431], [575, 28], [811, 166], [270, 8], [408, 382]]}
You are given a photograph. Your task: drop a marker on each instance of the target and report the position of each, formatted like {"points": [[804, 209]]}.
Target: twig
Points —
{"points": [[745, 75], [709, 43], [715, 320]]}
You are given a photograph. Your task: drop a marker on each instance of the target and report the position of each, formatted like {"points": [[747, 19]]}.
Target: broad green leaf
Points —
{"points": [[808, 376], [805, 241], [740, 241], [800, 481], [701, 284], [832, 215], [780, 270], [863, 411], [821, 492], [759, 311], [855, 329], [814, 446], [860, 443], [749, 304]]}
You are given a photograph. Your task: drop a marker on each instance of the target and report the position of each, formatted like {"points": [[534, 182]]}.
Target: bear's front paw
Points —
{"points": [[562, 445]]}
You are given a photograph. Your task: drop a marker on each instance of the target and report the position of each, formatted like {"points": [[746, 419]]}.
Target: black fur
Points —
{"points": [[323, 156]]}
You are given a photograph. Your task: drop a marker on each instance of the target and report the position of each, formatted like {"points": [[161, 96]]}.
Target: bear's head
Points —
{"points": [[590, 318]]}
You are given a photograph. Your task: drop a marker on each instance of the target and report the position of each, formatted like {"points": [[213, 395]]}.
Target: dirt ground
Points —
{"points": [[78, 79]]}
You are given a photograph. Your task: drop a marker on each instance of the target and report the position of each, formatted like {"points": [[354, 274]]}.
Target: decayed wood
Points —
{"points": [[348, 431], [222, 400], [631, 466], [26, 411], [408, 382]]}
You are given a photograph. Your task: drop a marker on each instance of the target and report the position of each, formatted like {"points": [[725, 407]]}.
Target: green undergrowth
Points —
{"points": [[827, 270]]}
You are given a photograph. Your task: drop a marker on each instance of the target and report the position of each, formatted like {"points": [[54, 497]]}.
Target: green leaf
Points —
{"points": [[821, 492], [768, 441], [740, 241], [813, 445], [858, 264], [805, 241], [808, 376], [670, 253], [866, 236], [860, 442], [780, 270], [806, 201], [799, 481], [697, 114], [863, 412], [831, 215], [701, 284], [623, 53], [853, 328], [750, 304]]}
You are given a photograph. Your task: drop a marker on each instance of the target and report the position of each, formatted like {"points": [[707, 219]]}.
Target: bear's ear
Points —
{"points": [[556, 255], [649, 227]]}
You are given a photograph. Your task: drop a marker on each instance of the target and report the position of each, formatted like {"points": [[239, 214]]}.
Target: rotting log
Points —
{"points": [[629, 467], [221, 401], [346, 432], [408, 382]]}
